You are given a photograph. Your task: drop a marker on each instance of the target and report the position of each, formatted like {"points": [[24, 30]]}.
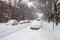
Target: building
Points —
{"points": [[6, 11]]}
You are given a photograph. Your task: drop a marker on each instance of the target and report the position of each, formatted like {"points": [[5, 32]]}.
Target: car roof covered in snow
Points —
{"points": [[35, 22], [11, 21]]}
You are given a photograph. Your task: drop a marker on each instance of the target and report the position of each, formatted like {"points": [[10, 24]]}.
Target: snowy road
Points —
{"points": [[28, 34], [9, 30], [23, 32]]}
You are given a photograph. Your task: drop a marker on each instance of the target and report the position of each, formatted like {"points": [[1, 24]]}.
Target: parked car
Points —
{"points": [[12, 22], [24, 21], [36, 24]]}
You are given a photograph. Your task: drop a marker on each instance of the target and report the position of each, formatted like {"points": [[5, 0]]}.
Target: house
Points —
{"points": [[6, 11]]}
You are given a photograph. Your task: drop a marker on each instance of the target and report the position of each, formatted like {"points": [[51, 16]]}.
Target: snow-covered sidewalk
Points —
{"points": [[49, 27]]}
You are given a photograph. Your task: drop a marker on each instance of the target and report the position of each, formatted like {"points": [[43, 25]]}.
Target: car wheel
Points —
{"points": [[34, 28]]}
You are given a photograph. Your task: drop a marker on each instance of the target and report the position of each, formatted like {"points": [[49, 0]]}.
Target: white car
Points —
{"points": [[12, 23], [36, 24], [24, 21]]}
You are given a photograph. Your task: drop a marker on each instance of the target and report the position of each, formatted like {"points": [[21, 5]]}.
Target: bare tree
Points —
{"points": [[55, 10]]}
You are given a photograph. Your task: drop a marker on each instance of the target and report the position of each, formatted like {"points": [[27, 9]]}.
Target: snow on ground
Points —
{"points": [[57, 31], [25, 33], [11, 29], [2, 25], [49, 26], [28, 34], [44, 33]]}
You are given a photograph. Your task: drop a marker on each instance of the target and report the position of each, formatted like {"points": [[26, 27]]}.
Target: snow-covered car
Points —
{"points": [[36, 24], [24, 21], [12, 22]]}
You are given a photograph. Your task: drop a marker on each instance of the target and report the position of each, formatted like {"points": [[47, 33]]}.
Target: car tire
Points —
{"points": [[34, 28]]}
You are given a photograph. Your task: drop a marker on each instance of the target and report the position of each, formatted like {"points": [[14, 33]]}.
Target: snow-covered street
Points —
{"points": [[9, 30], [24, 32], [28, 34]]}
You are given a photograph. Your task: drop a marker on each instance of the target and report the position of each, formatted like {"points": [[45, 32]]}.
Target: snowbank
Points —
{"points": [[57, 31], [49, 26]]}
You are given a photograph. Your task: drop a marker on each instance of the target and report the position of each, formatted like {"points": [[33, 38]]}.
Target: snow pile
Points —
{"points": [[57, 31], [49, 26]]}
